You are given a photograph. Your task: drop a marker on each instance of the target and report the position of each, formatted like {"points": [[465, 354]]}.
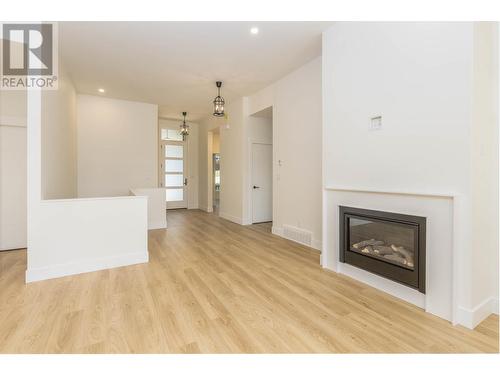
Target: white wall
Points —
{"points": [[207, 128], [117, 146], [260, 129], [193, 166], [216, 143], [13, 170], [231, 148], [232, 151], [232, 139], [84, 235], [69, 236], [419, 77], [59, 165], [58, 162], [484, 162], [296, 125], [157, 206], [13, 107]]}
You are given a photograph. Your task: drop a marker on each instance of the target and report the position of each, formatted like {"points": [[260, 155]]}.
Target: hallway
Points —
{"points": [[213, 286]]}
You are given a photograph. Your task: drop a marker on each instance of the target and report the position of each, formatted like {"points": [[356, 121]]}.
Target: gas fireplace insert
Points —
{"points": [[388, 244]]}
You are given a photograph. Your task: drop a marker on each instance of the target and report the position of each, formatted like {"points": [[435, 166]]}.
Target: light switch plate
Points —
{"points": [[376, 123]]}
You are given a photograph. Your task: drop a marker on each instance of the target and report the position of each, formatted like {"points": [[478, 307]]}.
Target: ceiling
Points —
{"points": [[176, 64]]}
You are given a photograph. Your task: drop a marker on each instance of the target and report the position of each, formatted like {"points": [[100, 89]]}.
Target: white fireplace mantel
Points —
{"points": [[443, 210], [389, 191]]}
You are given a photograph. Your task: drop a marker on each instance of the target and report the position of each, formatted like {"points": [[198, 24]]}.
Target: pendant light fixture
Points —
{"points": [[218, 102], [184, 127]]}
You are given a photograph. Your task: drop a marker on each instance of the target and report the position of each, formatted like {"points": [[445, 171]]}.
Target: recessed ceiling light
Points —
{"points": [[102, 91], [254, 30]]}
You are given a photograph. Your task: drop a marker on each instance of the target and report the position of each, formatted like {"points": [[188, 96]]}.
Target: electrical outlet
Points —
{"points": [[376, 123]]}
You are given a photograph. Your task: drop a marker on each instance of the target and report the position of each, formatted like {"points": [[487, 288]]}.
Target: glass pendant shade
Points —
{"points": [[219, 102]]}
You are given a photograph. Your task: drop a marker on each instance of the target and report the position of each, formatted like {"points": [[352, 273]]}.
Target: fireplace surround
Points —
{"points": [[388, 244]]}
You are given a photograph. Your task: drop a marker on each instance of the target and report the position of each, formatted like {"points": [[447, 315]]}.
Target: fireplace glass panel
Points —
{"points": [[383, 240]]}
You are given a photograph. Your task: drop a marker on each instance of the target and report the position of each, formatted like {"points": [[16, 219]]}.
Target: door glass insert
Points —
{"points": [[173, 180], [171, 135], [174, 195], [173, 165], [174, 151]]}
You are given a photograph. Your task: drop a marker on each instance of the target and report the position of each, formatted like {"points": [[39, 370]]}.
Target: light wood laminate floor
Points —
{"points": [[212, 286]]}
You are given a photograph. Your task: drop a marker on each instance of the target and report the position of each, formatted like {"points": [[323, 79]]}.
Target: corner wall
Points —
{"points": [[297, 134], [296, 102], [70, 236], [484, 162], [232, 151], [231, 143], [206, 126], [421, 78]]}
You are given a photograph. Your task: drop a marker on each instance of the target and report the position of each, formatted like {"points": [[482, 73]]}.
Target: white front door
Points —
{"points": [[262, 182], [173, 167]]}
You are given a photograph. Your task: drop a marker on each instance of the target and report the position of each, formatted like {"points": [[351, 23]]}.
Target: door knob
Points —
{"points": [[256, 187]]}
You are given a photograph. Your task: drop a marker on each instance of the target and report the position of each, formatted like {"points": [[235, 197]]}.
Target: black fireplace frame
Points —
{"points": [[412, 278]]}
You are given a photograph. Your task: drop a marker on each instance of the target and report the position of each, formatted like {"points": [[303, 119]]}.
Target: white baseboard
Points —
{"points": [[234, 219], [13, 245], [495, 306], [157, 226], [470, 318], [207, 209], [316, 244], [91, 265], [278, 231], [247, 221]]}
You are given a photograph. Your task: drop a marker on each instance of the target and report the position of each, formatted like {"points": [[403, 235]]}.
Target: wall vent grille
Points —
{"points": [[299, 235]]}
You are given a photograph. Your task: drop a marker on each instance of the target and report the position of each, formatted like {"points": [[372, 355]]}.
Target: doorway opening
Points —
{"points": [[261, 167], [214, 168], [13, 195], [216, 179], [173, 164]]}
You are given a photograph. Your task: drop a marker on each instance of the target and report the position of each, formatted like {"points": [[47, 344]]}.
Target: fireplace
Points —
{"points": [[388, 244]]}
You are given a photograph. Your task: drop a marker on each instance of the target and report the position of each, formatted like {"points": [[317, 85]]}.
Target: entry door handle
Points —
{"points": [[256, 187], [185, 182]]}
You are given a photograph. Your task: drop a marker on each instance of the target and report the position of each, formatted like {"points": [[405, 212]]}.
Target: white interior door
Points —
{"points": [[262, 182], [173, 167], [13, 195]]}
